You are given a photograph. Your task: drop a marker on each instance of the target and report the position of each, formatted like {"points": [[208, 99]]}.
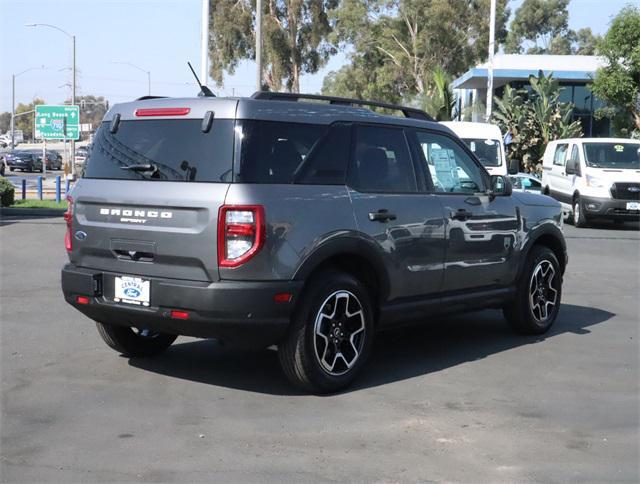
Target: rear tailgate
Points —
{"points": [[164, 230], [149, 199]]}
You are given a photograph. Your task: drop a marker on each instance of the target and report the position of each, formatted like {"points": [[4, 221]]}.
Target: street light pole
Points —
{"points": [[13, 102], [492, 36], [73, 84], [259, 45], [204, 43], [13, 111]]}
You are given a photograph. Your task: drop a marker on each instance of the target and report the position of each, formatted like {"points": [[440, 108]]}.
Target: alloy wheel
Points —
{"points": [[543, 293], [339, 333]]}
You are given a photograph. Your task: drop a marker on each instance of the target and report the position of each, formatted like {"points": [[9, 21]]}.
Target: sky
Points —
{"points": [[157, 35]]}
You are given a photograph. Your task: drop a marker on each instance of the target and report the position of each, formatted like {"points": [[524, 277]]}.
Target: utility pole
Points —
{"points": [[259, 45], [204, 47], [492, 36], [13, 111]]}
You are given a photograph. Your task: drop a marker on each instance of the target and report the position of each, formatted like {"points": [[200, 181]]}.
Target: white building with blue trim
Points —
{"points": [[574, 72]]}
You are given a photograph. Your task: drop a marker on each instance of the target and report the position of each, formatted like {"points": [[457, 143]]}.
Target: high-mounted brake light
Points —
{"points": [[68, 218], [162, 112], [241, 233]]}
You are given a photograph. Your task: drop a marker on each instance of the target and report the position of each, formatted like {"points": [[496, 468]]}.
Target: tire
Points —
{"points": [[130, 342], [539, 293], [316, 355], [579, 217]]}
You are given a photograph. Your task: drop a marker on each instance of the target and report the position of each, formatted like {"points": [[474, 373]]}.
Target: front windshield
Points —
{"points": [[486, 150], [612, 155]]}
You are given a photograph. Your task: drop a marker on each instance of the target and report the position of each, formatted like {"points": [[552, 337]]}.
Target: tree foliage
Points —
{"points": [[542, 27], [439, 101], [5, 122], [534, 118], [618, 83], [25, 122], [295, 38], [399, 44], [92, 109]]}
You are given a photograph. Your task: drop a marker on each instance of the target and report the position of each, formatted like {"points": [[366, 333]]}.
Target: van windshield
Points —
{"points": [[486, 150], [612, 155], [163, 150]]}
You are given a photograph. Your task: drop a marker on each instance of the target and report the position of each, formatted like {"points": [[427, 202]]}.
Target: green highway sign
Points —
{"points": [[50, 122]]}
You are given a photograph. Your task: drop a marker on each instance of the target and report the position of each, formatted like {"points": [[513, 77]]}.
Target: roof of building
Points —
{"points": [[515, 67]]}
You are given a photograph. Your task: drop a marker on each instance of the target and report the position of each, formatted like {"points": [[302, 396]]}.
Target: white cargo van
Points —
{"points": [[594, 178], [485, 141]]}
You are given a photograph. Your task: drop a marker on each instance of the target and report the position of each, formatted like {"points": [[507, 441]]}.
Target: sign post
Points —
{"points": [[61, 122]]}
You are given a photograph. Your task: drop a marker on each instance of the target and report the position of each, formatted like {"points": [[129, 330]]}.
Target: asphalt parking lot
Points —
{"points": [[457, 399]]}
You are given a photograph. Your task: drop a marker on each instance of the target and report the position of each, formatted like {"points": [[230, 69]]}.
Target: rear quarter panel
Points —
{"points": [[299, 219]]}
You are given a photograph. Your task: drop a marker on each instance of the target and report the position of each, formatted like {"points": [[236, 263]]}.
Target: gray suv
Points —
{"points": [[306, 222]]}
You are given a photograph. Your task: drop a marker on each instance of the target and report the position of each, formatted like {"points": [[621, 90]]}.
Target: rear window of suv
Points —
{"points": [[172, 150]]}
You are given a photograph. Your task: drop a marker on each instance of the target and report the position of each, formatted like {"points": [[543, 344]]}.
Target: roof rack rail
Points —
{"points": [[142, 98], [413, 113]]}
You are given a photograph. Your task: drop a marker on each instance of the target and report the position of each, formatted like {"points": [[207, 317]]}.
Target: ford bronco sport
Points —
{"points": [[301, 221]]}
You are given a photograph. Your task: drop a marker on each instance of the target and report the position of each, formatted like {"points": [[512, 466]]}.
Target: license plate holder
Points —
{"points": [[633, 205], [132, 290]]}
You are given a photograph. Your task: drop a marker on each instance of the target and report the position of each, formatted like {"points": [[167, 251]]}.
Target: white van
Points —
{"points": [[594, 178], [485, 141]]}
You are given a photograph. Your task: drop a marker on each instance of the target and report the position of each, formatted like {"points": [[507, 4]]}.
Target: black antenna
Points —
{"points": [[204, 90]]}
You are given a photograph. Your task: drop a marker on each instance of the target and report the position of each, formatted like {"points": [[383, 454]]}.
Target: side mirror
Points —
{"points": [[572, 167], [501, 186], [513, 167]]}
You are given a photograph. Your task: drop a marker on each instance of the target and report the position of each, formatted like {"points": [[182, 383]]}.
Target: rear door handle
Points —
{"points": [[382, 215], [461, 214]]}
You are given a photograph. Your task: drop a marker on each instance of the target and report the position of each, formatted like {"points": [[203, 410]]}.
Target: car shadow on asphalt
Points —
{"points": [[398, 354]]}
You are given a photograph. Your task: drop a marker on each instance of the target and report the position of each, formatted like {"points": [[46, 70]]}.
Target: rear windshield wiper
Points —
{"points": [[141, 167]]}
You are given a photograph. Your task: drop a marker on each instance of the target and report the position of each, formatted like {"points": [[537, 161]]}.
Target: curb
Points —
{"points": [[31, 212]]}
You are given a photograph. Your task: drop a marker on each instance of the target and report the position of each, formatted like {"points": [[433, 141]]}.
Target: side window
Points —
{"points": [[327, 161], [381, 161], [560, 156], [271, 152], [451, 169]]}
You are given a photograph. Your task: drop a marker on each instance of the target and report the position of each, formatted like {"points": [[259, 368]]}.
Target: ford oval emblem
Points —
{"points": [[132, 292], [80, 235]]}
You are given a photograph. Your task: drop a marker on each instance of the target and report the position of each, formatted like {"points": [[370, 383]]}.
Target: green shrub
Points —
{"points": [[7, 192]]}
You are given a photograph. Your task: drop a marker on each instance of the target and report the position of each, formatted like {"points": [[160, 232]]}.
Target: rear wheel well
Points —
{"points": [[553, 243], [359, 267]]}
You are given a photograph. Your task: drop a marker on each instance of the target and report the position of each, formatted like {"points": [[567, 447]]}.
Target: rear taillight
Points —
{"points": [[241, 233], [68, 217]]}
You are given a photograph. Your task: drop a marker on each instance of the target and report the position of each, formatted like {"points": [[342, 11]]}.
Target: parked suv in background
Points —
{"points": [[309, 225], [24, 161], [594, 178]]}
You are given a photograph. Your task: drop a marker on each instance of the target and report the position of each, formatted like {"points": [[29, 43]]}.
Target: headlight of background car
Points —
{"points": [[592, 181]]}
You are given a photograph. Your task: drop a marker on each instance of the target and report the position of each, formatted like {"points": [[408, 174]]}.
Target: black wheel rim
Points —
{"points": [[339, 333]]}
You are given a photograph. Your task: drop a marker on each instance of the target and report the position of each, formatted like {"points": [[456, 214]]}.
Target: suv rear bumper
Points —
{"points": [[610, 208], [240, 313]]}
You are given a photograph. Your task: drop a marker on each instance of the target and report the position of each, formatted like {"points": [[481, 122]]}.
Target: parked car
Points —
{"points": [[81, 156], [594, 178], [526, 182], [54, 160], [24, 161], [307, 225], [485, 141]]}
